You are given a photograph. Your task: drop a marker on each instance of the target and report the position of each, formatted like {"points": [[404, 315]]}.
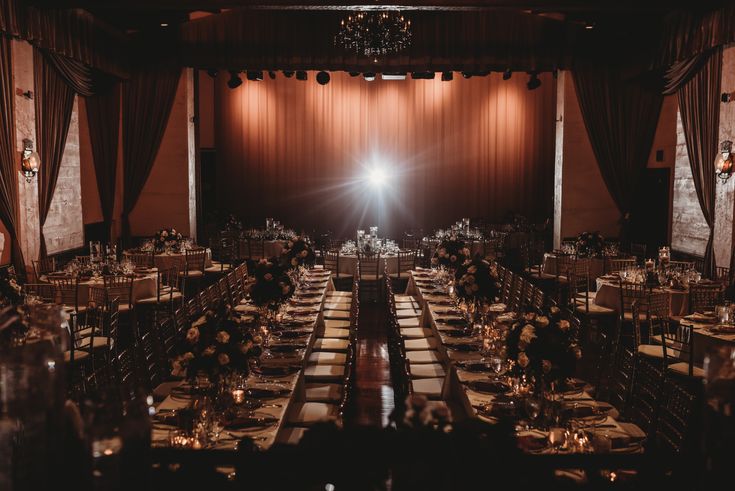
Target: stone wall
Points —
{"points": [[689, 230], [64, 227]]}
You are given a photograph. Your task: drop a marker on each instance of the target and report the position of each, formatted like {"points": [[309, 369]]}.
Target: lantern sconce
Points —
{"points": [[724, 161], [29, 161]]}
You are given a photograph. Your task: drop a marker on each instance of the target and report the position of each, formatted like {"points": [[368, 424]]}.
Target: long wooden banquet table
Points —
{"points": [[274, 410], [461, 388]]}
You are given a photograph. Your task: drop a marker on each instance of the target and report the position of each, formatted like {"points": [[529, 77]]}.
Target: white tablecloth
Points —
{"points": [[608, 295]]}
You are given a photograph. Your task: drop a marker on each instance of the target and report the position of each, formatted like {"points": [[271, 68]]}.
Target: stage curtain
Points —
{"points": [[103, 114], [9, 157], [621, 116], [54, 100], [147, 100], [301, 152], [699, 105]]}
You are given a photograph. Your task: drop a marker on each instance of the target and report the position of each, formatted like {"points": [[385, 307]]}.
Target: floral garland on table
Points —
{"points": [[477, 279], [217, 348], [167, 237], [272, 284], [298, 252], [590, 244], [451, 254], [544, 345]]}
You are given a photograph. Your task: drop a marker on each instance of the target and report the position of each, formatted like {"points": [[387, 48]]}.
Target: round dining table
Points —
{"points": [[608, 295], [348, 264], [145, 285], [167, 260]]}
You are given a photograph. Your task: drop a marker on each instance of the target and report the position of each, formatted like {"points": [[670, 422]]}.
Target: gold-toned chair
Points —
{"points": [[142, 259], [43, 267], [194, 265], [704, 297], [368, 266], [615, 265], [67, 292]]}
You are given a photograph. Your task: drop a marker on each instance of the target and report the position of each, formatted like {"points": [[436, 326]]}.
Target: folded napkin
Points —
{"points": [[705, 318]]}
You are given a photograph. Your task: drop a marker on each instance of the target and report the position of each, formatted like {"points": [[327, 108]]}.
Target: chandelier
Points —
{"points": [[374, 33]]}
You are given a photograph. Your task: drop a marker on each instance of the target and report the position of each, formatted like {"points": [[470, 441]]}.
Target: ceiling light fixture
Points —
{"points": [[301, 75], [447, 76], [422, 75], [323, 78], [235, 81], [369, 76], [287, 74], [533, 82], [393, 76], [374, 33]]}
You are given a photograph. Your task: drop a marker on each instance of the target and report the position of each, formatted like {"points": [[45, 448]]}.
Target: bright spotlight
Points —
{"points": [[377, 177]]}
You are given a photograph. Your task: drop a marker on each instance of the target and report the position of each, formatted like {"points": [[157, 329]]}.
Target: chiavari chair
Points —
{"points": [[411, 243], [539, 299], [678, 351], [126, 375], [194, 265], [67, 292], [120, 287], [516, 294], [143, 260], [46, 292], [650, 317], [331, 262], [224, 292], [645, 393], [638, 250], [368, 267], [581, 300], [722, 274], [681, 265], [630, 293], [614, 265], [677, 426], [507, 287], [168, 294], [44, 266], [243, 249], [256, 249], [619, 379], [223, 255], [406, 263], [704, 297]]}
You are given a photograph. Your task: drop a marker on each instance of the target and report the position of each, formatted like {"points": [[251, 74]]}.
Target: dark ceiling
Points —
{"points": [[542, 34]]}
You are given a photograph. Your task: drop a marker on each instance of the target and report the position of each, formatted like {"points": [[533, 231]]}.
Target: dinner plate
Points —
{"points": [[488, 386], [276, 370], [287, 347], [269, 391], [465, 347], [254, 420], [477, 367]]}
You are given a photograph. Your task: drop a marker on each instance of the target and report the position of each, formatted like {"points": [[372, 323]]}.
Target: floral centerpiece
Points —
{"points": [[544, 345], [476, 279], [272, 284], [233, 223], [10, 290], [298, 252], [590, 244], [221, 346], [450, 253], [167, 238]]}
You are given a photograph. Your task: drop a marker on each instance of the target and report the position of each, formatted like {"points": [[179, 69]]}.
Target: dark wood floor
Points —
{"points": [[373, 391]]}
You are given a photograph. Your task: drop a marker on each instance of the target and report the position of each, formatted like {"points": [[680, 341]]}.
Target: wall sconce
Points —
{"points": [[724, 161], [29, 160]]}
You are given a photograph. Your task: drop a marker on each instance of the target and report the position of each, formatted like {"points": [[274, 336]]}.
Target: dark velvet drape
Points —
{"points": [[102, 94], [699, 104], [621, 116], [54, 103], [9, 157], [147, 100], [74, 33], [103, 114]]}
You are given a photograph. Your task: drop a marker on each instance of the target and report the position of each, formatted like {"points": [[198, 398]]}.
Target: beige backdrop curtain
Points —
{"points": [[298, 151]]}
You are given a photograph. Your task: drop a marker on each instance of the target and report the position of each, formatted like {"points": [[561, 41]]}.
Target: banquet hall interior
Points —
{"points": [[424, 245]]}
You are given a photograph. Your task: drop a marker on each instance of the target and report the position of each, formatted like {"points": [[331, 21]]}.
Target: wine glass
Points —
{"points": [[533, 406]]}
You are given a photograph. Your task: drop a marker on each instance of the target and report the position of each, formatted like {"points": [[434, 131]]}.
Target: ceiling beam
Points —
{"points": [[611, 6]]}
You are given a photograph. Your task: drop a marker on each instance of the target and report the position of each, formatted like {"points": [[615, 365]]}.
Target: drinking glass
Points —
{"points": [[533, 406]]}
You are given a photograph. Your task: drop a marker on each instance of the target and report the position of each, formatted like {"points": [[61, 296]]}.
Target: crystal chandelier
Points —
{"points": [[374, 33]]}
